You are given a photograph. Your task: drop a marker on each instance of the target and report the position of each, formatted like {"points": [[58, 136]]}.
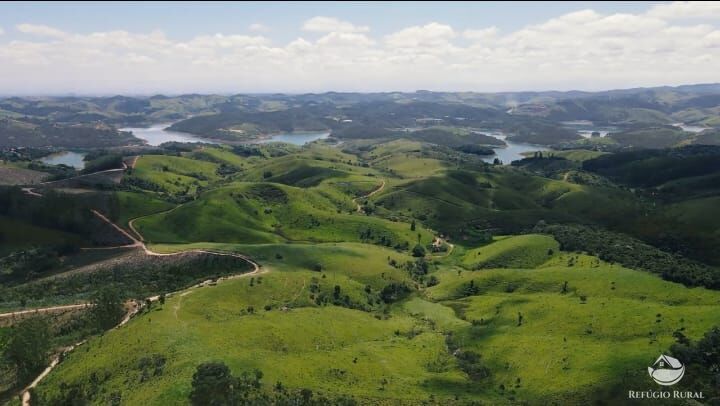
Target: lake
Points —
{"points": [[513, 151], [156, 135], [690, 128], [585, 128], [299, 138], [69, 158]]}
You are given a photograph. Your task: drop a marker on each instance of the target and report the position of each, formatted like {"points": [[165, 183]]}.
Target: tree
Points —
{"points": [[29, 347], [418, 251], [212, 385], [108, 308], [412, 226]]}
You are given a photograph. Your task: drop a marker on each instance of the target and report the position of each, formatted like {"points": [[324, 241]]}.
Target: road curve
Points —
{"points": [[25, 395], [378, 190]]}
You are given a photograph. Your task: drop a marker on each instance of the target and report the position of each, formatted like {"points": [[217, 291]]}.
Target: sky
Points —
{"points": [[138, 48]]}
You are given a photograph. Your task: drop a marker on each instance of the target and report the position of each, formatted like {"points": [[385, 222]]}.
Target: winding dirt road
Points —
{"points": [[135, 309], [31, 192], [378, 190]]}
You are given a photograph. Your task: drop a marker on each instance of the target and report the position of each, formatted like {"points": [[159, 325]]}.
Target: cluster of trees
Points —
{"points": [[650, 168], [213, 384], [632, 253], [29, 132], [32, 340], [468, 361], [702, 363], [102, 163], [64, 212], [137, 278], [25, 265]]}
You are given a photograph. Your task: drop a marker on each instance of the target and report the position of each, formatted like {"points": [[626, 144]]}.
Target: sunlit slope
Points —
{"points": [[269, 212], [558, 331]]}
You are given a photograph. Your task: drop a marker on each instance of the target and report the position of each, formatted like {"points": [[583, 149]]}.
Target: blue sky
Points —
{"points": [[184, 20], [138, 47]]}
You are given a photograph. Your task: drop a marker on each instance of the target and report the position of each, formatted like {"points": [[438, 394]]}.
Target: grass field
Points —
{"points": [[586, 326], [137, 204], [341, 306], [522, 251], [176, 175], [265, 213]]}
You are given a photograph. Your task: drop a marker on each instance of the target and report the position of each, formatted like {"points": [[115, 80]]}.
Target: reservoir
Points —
{"points": [[585, 128], [156, 135], [69, 158], [513, 151], [690, 128]]}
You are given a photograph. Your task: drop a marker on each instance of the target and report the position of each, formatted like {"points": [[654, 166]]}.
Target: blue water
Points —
{"points": [[513, 151], [69, 158], [585, 128], [297, 138], [156, 135]]}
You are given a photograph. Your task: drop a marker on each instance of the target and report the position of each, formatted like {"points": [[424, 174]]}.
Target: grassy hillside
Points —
{"points": [[173, 175], [523, 251], [582, 320], [652, 137], [267, 212]]}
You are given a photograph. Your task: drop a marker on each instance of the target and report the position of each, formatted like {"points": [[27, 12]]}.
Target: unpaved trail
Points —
{"points": [[378, 190], [131, 223], [44, 310], [30, 192], [136, 242], [134, 310], [439, 241], [134, 161]]}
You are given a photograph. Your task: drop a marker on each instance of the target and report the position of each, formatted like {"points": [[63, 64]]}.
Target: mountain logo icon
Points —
{"points": [[667, 370]]}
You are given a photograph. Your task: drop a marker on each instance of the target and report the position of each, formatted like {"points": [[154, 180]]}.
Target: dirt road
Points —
{"points": [[134, 310], [378, 190]]}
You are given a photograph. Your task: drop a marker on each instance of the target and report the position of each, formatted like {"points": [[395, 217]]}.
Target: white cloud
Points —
{"points": [[258, 27], [429, 35], [679, 10], [481, 34], [583, 49], [330, 24], [40, 30]]}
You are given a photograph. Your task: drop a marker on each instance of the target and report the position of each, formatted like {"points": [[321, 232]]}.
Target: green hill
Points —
{"points": [[461, 340], [267, 212]]}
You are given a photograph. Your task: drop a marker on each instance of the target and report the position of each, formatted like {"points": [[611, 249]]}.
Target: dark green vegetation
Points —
{"points": [[397, 266], [535, 117], [24, 132]]}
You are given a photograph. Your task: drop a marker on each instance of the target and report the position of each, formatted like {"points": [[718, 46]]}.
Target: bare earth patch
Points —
{"points": [[18, 176]]}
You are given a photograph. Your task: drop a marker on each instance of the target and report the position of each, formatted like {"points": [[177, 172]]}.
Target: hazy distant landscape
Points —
{"points": [[230, 204]]}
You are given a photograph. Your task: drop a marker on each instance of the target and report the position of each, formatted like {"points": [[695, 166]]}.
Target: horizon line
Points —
{"points": [[281, 93]]}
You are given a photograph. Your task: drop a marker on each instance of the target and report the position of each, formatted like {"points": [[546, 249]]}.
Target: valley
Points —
{"points": [[359, 263]]}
